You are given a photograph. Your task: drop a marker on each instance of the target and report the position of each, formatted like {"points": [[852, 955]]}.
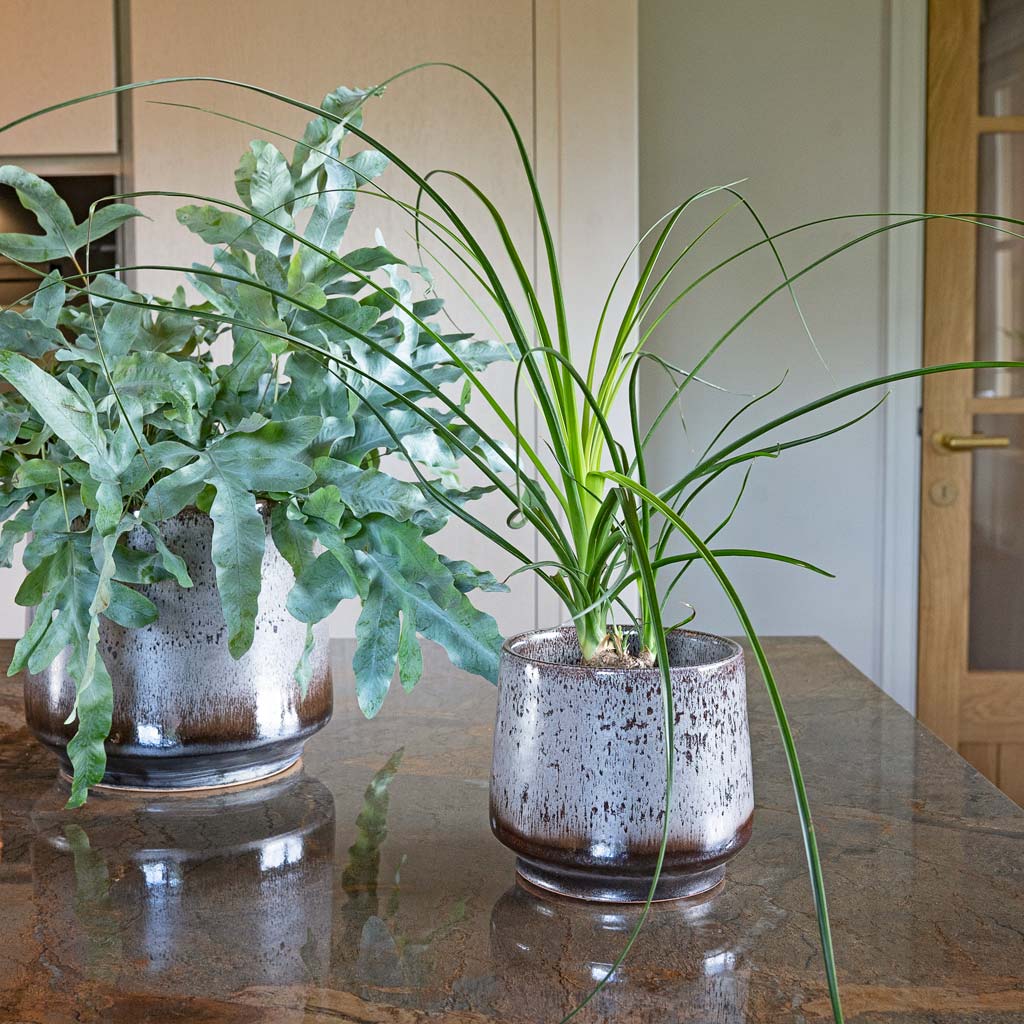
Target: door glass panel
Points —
{"points": [[997, 547], [999, 295], [1002, 58]]}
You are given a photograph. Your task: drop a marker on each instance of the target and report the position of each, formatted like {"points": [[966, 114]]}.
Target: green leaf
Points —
{"points": [[369, 491], [292, 538], [109, 507], [52, 641], [282, 438], [256, 307], [42, 620], [322, 137], [61, 236], [170, 494], [38, 473], [410, 657], [105, 220], [52, 213], [370, 258], [332, 211], [95, 703], [162, 456], [64, 412], [11, 422], [49, 299], [129, 608], [172, 563], [325, 503], [154, 379], [79, 592], [319, 588], [377, 636], [405, 574], [121, 328], [467, 577], [13, 531], [269, 189], [239, 539], [20, 333], [133, 566], [304, 669], [217, 226], [41, 579], [367, 165]]}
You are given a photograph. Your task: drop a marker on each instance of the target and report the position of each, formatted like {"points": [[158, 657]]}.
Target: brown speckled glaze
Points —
{"points": [[578, 777], [186, 714]]}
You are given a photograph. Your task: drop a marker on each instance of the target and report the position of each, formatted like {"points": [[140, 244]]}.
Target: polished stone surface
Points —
{"points": [[366, 886]]}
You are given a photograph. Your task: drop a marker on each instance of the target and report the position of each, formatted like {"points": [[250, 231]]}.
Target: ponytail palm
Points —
{"points": [[605, 524]]}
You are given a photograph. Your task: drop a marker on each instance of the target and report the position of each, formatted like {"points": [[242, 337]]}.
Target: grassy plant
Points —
{"points": [[606, 525]]}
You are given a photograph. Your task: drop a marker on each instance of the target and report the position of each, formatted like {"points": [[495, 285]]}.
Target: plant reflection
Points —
{"points": [[203, 893], [371, 947]]}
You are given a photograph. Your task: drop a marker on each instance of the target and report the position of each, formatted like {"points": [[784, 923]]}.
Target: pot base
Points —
{"points": [[196, 771], [606, 888]]}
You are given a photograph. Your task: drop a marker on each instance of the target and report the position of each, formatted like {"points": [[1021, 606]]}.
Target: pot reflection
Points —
{"points": [[549, 952], [200, 894]]}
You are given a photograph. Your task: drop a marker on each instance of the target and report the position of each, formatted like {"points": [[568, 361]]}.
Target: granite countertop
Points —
{"points": [[364, 886]]}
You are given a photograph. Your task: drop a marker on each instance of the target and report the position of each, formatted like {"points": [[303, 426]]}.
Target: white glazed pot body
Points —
{"points": [[578, 777], [186, 714]]}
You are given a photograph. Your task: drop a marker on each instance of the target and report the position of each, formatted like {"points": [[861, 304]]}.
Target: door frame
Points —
{"points": [[904, 291]]}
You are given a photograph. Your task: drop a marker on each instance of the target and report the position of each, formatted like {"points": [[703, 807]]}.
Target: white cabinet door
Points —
{"points": [[54, 50], [435, 119]]}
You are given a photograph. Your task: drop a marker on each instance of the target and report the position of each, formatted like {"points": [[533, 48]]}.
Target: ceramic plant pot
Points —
{"points": [[186, 714], [578, 778]]}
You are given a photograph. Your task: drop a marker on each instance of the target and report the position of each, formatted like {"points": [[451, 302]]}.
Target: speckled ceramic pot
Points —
{"points": [[578, 778], [186, 714]]}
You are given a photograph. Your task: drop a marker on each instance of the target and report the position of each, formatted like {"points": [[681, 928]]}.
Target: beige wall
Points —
{"points": [[54, 50]]}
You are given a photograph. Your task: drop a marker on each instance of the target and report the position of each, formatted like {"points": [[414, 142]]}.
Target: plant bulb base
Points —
{"points": [[608, 888]]}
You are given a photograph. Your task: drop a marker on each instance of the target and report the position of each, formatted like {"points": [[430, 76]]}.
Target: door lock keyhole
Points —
{"points": [[943, 492]]}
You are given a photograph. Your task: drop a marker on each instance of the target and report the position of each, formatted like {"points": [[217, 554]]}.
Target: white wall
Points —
{"points": [[793, 97]]}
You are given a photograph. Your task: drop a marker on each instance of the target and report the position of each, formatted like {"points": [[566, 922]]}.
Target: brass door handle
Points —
{"points": [[969, 442]]}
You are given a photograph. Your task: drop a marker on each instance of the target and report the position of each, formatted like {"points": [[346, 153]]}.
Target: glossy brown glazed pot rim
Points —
{"points": [[513, 648]]}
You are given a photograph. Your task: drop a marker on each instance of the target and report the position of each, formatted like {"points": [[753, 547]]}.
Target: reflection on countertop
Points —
{"points": [[241, 880], [364, 885]]}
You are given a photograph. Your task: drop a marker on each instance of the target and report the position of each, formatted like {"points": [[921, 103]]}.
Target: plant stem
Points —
{"points": [[591, 630]]}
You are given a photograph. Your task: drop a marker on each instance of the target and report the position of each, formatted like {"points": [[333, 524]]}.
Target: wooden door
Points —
{"points": [[971, 656]]}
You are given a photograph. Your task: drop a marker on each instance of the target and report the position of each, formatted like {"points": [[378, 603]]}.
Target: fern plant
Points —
{"points": [[122, 414], [606, 525]]}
